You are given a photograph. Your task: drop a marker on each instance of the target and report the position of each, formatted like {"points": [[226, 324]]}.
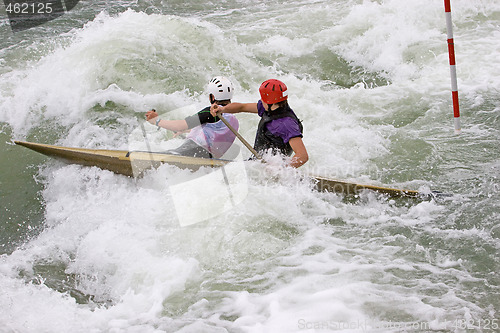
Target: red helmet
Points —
{"points": [[273, 91]]}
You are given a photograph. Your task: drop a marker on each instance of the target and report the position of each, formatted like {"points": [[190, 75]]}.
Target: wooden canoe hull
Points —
{"points": [[122, 162], [133, 164]]}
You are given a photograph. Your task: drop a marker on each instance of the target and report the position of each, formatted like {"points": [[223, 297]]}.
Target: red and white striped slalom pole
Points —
{"points": [[453, 69]]}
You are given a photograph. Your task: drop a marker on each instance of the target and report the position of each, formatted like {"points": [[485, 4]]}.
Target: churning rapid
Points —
{"points": [[86, 250]]}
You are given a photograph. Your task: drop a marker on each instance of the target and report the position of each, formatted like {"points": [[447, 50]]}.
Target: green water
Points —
{"points": [[21, 202]]}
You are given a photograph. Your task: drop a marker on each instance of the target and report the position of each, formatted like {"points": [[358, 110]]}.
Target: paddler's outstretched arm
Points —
{"points": [[233, 108], [172, 125]]}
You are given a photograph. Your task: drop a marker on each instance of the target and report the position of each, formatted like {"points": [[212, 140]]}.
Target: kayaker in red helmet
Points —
{"points": [[279, 128]]}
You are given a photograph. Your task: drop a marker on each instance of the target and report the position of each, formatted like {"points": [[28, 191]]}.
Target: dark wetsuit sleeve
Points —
{"points": [[202, 117]]}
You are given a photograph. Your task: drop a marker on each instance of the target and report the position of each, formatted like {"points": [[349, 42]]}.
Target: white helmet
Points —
{"points": [[221, 87]]}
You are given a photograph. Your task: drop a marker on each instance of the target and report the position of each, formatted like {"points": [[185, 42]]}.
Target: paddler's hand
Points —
{"points": [[150, 115], [216, 109]]}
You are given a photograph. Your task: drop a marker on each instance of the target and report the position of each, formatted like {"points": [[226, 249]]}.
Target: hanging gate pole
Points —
{"points": [[453, 69]]}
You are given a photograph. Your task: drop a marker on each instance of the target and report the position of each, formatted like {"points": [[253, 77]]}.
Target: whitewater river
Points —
{"points": [[86, 250]]}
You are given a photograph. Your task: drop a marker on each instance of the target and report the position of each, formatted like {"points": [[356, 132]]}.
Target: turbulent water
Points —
{"points": [[85, 250]]}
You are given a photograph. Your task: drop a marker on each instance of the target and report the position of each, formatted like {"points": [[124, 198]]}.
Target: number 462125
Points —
{"points": [[29, 8]]}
